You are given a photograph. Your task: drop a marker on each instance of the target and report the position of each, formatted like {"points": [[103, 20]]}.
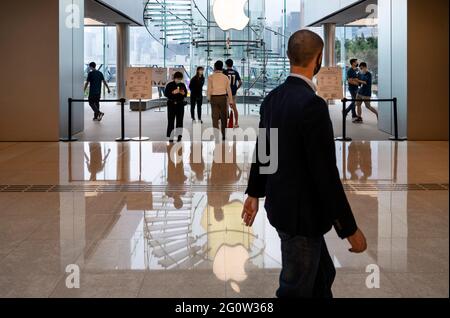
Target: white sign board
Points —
{"points": [[139, 83], [329, 83], [173, 70], [159, 77]]}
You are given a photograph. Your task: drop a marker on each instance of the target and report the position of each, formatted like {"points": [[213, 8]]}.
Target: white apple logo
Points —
{"points": [[230, 14]]}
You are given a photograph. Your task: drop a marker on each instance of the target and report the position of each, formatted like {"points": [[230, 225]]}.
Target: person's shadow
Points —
{"points": [[175, 176], [360, 160], [95, 162], [223, 174]]}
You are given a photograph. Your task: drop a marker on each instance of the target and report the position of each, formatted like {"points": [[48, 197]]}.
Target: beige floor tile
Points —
{"points": [[102, 285], [27, 286], [423, 285], [182, 284]]}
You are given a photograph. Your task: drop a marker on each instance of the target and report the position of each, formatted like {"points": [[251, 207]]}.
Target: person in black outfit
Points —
{"points": [[304, 197], [95, 79], [196, 88], [353, 86], [176, 93]]}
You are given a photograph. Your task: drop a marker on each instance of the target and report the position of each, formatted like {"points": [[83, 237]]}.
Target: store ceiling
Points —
{"points": [[98, 11], [360, 10]]}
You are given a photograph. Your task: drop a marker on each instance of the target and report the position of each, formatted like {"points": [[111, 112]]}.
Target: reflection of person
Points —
{"points": [[94, 80], [196, 161], [365, 92], [360, 160], [196, 87], [219, 90], [304, 197], [175, 177], [236, 84], [95, 163], [176, 93], [222, 173]]}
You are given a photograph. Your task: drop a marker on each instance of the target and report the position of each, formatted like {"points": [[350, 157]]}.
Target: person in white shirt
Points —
{"points": [[219, 93]]}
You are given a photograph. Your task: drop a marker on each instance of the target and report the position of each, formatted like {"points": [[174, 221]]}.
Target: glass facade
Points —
{"points": [[360, 42], [185, 33], [100, 46]]}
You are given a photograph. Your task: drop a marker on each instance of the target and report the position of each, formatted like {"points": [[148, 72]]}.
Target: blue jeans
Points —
{"points": [[352, 106], [307, 268]]}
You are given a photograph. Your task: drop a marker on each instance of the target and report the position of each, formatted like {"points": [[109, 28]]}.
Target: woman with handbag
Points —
{"points": [[176, 93]]}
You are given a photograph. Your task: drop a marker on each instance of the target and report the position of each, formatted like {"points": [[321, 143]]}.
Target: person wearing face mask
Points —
{"points": [[196, 88], [364, 92], [304, 196], [176, 93], [353, 86]]}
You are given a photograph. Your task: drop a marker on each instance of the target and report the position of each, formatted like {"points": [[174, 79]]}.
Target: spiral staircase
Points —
{"points": [[172, 24], [170, 21]]}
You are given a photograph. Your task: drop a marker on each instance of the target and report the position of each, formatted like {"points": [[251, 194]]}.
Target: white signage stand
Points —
{"points": [[139, 86], [329, 83]]}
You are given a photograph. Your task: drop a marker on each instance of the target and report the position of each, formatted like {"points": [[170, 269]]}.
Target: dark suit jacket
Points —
{"points": [[305, 196]]}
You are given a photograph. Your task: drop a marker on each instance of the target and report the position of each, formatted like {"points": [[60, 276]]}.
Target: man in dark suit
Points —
{"points": [[304, 197]]}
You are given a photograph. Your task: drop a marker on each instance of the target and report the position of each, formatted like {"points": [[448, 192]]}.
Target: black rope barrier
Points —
{"points": [[70, 137], [394, 102]]}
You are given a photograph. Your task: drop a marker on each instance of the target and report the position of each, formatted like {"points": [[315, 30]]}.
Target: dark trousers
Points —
{"points": [[196, 101], [307, 268], [94, 102], [219, 108], [175, 113], [352, 106]]}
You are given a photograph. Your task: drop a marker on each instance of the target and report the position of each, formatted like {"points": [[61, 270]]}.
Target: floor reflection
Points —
{"points": [[179, 220], [360, 161], [179, 229]]}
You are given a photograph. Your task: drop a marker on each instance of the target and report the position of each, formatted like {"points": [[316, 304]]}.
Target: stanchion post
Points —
{"points": [[344, 122], [140, 138], [396, 136], [69, 123], [122, 121]]}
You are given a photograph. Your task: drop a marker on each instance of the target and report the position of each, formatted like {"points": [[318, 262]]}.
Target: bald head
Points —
{"points": [[304, 47]]}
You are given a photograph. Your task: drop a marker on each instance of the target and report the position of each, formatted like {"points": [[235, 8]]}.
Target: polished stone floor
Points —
{"points": [[138, 224]]}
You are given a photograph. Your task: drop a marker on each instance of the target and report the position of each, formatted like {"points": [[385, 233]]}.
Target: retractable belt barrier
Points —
{"points": [[122, 101], [345, 114]]}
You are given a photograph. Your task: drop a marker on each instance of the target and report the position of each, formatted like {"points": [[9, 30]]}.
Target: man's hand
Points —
{"points": [[109, 91], [251, 207], [358, 242]]}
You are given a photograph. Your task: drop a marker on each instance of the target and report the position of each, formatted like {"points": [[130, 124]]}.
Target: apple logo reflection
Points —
{"points": [[206, 232], [229, 265]]}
